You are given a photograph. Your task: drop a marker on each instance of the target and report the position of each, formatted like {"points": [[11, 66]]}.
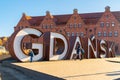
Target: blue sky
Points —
{"points": [[11, 10]]}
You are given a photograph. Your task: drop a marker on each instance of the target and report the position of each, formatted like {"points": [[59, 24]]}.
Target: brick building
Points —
{"points": [[103, 25]]}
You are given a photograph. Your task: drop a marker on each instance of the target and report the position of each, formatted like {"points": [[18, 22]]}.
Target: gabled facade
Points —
{"points": [[103, 25], [108, 26], [75, 25]]}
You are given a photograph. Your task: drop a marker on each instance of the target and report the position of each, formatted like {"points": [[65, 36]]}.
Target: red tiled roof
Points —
{"points": [[91, 18], [88, 18], [117, 15], [36, 20]]}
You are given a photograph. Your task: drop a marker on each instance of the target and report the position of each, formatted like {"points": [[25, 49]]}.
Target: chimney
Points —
{"points": [[24, 14], [47, 12], [75, 11], [107, 8]]}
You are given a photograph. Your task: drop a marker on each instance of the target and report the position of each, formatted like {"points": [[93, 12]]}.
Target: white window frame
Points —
{"points": [[116, 33]]}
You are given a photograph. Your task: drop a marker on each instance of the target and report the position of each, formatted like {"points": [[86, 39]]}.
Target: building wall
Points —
{"points": [[106, 28]]}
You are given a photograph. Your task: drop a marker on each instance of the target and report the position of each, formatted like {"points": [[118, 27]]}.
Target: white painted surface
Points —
{"points": [[17, 42], [40, 52], [74, 50], [60, 36], [102, 42], [94, 51]]}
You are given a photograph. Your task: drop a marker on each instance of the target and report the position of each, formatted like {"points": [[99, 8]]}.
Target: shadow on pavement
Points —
{"points": [[107, 74], [113, 61], [117, 79], [115, 73], [34, 75]]}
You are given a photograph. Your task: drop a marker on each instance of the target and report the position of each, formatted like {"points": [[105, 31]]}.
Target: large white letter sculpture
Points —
{"points": [[90, 45], [61, 56], [103, 46], [17, 44], [74, 50]]}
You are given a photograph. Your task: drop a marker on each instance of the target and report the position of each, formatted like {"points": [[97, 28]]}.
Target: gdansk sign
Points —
{"points": [[93, 48]]}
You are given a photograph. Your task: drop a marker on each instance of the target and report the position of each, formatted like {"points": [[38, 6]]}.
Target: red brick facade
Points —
{"points": [[103, 25]]}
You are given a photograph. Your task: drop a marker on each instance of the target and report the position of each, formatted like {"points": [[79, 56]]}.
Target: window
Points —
{"points": [[72, 33], [68, 34], [60, 31], [79, 25], [105, 34], [70, 25], [110, 34], [102, 24], [99, 34], [107, 16], [43, 26], [107, 24], [74, 17], [46, 26], [51, 25], [77, 34], [75, 25], [90, 30], [21, 27], [26, 26], [113, 24], [115, 33], [81, 34]]}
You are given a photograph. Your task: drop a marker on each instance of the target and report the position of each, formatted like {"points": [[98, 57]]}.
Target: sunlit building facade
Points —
{"points": [[103, 25]]}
